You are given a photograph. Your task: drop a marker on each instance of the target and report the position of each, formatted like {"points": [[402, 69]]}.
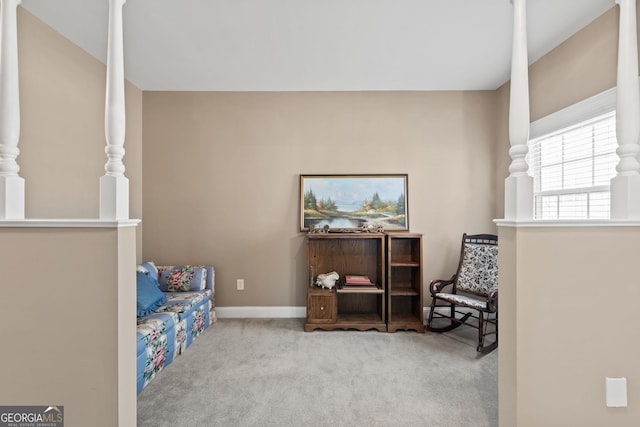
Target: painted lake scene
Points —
{"points": [[349, 202]]}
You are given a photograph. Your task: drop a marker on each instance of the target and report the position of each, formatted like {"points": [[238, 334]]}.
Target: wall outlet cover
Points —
{"points": [[616, 391]]}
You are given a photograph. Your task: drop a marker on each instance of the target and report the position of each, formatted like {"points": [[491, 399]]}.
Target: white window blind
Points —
{"points": [[572, 169]]}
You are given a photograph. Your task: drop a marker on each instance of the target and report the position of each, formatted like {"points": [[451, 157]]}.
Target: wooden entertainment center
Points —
{"points": [[392, 261]]}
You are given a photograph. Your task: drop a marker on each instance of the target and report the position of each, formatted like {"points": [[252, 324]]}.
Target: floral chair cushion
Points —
{"points": [[479, 269], [463, 300]]}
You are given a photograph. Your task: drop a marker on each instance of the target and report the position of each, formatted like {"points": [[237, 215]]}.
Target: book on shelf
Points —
{"points": [[350, 279], [359, 288]]}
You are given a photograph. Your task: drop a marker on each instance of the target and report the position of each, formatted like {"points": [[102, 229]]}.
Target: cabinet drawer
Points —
{"points": [[321, 308]]}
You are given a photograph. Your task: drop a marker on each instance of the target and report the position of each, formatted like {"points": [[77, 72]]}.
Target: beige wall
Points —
{"points": [[67, 322], [559, 337], [574, 309], [581, 67], [62, 141], [221, 173], [501, 157], [67, 311], [507, 350]]}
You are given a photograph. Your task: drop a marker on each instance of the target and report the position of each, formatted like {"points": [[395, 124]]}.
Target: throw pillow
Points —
{"points": [[151, 269], [182, 278], [149, 297]]}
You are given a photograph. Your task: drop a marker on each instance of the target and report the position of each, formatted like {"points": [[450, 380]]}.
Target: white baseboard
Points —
{"points": [[260, 312], [286, 312]]}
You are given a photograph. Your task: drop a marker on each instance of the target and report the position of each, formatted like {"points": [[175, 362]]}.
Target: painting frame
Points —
{"points": [[347, 202]]}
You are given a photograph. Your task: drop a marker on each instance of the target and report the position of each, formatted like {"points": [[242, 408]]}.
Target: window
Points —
{"points": [[572, 168]]}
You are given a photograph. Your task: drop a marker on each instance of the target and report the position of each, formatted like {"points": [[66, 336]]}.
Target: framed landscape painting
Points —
{"points": [[349, 202]]}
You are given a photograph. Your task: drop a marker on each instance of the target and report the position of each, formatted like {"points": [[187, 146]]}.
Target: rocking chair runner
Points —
{"points": [[477, 278]]}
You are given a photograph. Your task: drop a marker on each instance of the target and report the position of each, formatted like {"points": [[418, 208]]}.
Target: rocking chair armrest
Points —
{"points": [[492, 301], [437, 285]]}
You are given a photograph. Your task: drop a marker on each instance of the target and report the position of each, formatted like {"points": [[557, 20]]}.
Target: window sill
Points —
{"points": [[533, 223]]}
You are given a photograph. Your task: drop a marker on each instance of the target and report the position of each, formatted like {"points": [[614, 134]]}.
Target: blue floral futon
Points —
{"points": [[172, 312]]}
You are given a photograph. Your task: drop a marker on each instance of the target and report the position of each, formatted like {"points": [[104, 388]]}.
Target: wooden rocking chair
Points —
{"points": [[477, 282]]}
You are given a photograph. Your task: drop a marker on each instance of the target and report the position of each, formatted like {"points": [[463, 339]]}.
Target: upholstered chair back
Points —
{"points": [[478, 269]]}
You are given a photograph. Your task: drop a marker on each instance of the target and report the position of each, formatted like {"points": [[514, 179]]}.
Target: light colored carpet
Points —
{"points": [[268, 372]]}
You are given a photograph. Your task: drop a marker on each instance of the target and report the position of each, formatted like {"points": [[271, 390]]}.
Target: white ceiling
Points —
{"points": [[305, 45]]}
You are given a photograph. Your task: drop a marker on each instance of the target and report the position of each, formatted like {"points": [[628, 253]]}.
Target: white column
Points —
{"points": [[11, 185], [114, 186], [518, 187], [625, 186]]}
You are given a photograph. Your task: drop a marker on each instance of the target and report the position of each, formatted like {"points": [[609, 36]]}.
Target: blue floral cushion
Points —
{"points": [[148, 294], [182, 278]]}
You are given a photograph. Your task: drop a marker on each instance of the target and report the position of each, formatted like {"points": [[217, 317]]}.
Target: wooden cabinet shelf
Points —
{"points": [[404, 282], [404, 292], [405, 318], [404, 264], [393, 261], [360, 291], [348, 253]]}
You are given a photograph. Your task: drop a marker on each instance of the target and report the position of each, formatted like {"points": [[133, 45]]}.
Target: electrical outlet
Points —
{"points": [[240, 284], [616, 392]]}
